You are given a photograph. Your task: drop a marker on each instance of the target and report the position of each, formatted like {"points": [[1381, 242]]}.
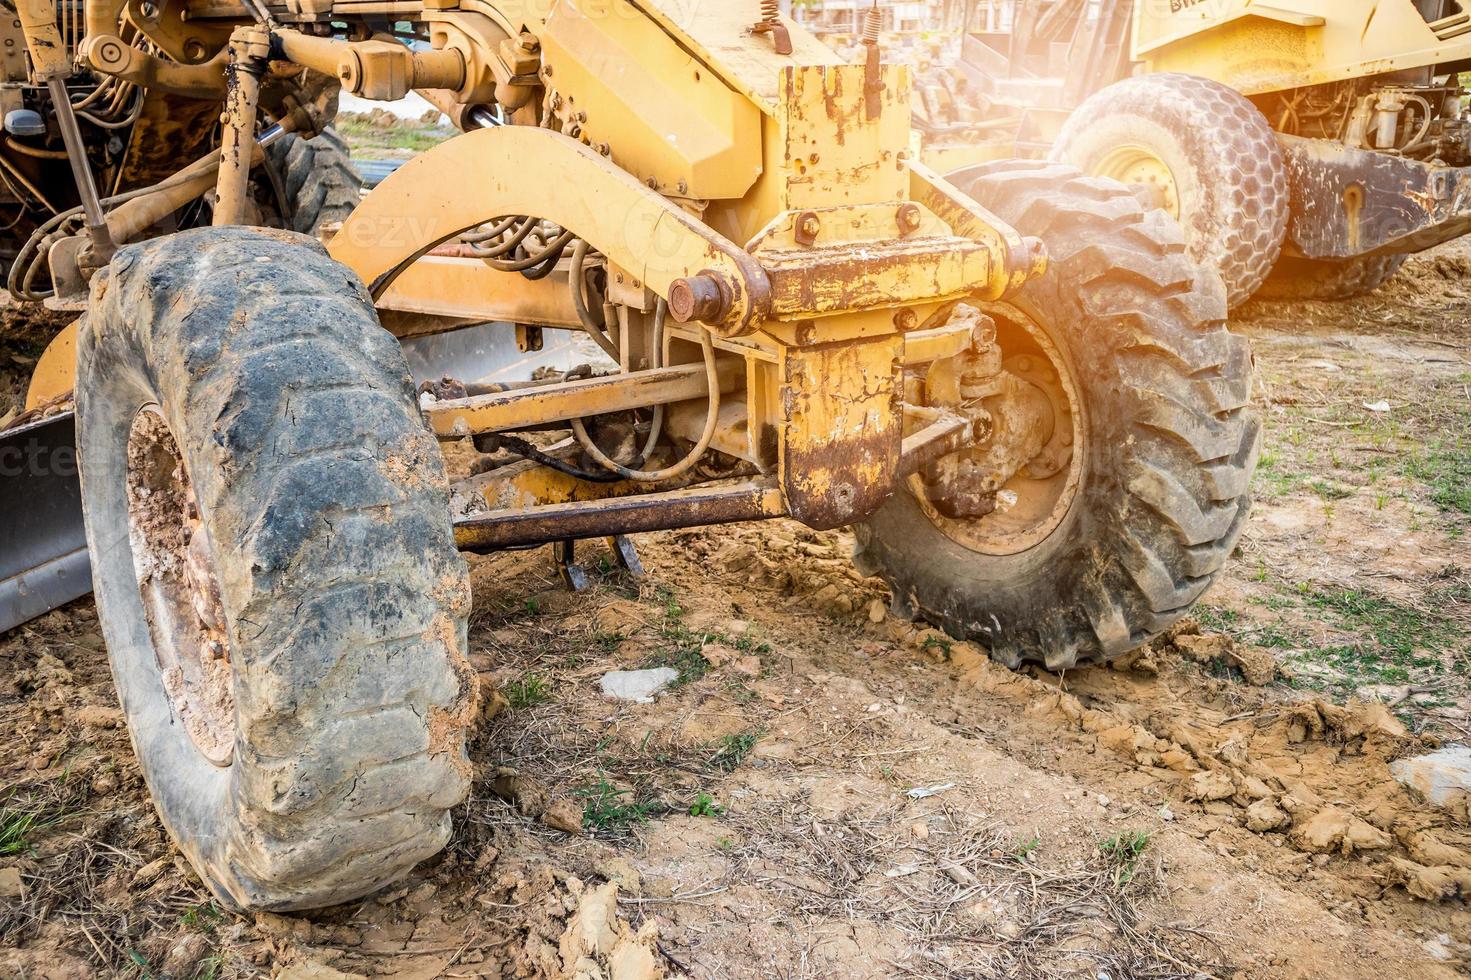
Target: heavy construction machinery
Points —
{"points": [[1307, 146], [1011, 382]]}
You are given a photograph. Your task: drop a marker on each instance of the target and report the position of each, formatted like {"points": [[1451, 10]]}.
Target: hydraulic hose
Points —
{"points": [[712, 417]]}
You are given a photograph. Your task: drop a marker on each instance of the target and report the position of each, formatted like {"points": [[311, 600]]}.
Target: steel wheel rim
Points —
{"points": [[1143, 169], [1037, 507]]}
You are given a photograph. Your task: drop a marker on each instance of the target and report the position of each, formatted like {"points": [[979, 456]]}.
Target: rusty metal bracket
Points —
{"points": [[625, 555], [575, 576], [770, 23], [1022, 259], [427, 202]]}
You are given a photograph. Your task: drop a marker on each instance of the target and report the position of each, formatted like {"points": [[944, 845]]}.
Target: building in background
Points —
{"points": [[846, 16]]}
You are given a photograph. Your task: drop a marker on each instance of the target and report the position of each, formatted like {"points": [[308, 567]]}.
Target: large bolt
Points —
{"points": [[808, 227], [1037, 257], [909, 219], [703, 297], [983, 334]]}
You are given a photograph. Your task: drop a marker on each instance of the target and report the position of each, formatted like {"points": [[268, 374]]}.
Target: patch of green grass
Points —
{"points": [[1330, 491], [1217, 619], [1446, 469], [705, 806], [527, 691], [1457, 592], [683, 654], [733, 750], [202, 917], [1391, 643], [1278, 636], [19, 822], [1362, 666], [942, 643], [740, 692], [141, 964], [1271, 480], [365, 137], [1397, 630], [681, 647], [610, 809], [1123, 851]]}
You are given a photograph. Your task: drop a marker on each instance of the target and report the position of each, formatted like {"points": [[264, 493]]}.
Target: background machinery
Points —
{"points": [[1010, 381], [1307, 147]]}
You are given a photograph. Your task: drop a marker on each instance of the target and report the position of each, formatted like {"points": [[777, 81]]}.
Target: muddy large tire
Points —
{"points": [[1206, 155], [274, 566], [1316, 279], [317, 179], [1155, 494]]}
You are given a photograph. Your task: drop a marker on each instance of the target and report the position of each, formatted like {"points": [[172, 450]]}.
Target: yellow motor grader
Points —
{"points": [[1307, 146], [1010, 381]]}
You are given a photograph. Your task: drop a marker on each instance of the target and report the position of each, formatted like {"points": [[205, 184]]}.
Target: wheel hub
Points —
{"points": [[1149, 176], [174, 565], [1013, 488]]}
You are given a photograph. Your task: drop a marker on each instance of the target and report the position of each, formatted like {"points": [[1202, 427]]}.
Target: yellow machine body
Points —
{"points": [[1257, 48]]}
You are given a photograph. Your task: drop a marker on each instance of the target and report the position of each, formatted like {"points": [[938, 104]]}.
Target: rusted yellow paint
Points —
{"points": [[664, 116], [842, 428], [428, 201]]}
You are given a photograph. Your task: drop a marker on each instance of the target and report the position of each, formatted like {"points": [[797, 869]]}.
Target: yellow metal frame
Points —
{"points": [[1287, 44], [428, 201], [772, 197]]}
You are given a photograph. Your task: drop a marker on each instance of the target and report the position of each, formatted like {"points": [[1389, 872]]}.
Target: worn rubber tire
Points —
{"points": [[1316, 279], [1224, 156], [320, 183], [1171, 440], [344, 597]]}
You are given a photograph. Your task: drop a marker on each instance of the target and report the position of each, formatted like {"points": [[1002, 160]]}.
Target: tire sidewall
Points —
{"points": [[344, 599], [189, 791]]}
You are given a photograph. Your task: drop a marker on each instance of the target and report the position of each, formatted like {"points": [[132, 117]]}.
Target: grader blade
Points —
{"points": [[43, 547]]}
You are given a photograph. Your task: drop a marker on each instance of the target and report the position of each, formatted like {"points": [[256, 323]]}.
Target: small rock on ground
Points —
{"points": [[638, 685], [1442, 778]]}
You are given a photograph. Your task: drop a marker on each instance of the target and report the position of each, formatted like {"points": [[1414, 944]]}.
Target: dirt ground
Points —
{"points": [[829, 792]]}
